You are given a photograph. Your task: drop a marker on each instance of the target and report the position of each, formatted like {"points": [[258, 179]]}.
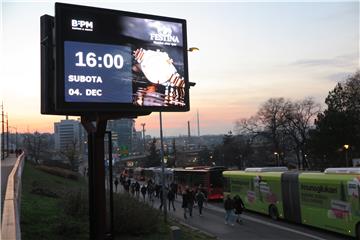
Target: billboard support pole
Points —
{"points": [[96, 169]]}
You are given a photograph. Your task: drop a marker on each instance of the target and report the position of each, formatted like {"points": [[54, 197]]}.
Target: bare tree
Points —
{"points": [[297, 125], [72, 153], [37, 145]]}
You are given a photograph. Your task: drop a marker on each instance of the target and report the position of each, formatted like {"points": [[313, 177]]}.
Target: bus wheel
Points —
{"points": [[273, 212]]}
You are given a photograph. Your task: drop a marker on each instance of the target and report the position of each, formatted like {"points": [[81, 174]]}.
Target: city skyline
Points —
{"points": [[249, 52]]}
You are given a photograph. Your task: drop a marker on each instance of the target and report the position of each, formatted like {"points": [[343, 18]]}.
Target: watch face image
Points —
{"points": [[160, 84], [157, 66]]}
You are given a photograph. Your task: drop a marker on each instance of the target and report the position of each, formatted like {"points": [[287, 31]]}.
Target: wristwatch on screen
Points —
{"points": [[158, 67]]}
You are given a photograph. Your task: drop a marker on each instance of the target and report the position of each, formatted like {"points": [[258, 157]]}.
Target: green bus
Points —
{"points": [[329, 200]]}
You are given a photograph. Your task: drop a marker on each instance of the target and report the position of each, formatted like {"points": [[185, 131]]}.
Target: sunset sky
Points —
{"points": [[249, 52]]}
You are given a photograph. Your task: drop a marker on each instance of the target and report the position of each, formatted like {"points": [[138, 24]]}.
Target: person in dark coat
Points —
{"points": [[229, 209], [184, 204], [200, 199], [239, 207], [190, 201], [143, 191], [116, 182], [171, 198]]}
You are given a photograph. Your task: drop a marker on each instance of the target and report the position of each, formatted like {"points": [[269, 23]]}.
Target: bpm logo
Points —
{"points": [[164, 34], [82, 25]]}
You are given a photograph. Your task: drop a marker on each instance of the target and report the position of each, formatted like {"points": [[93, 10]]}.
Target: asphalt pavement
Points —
{"points": [[254, 226], [6, 166]]}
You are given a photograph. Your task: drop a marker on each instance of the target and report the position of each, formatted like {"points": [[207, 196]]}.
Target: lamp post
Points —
{"points": [[346, 148], [162, 169], [277, 158]]}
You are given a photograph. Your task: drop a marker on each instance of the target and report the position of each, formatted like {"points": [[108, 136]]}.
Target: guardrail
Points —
{"points": [[10, 229]]}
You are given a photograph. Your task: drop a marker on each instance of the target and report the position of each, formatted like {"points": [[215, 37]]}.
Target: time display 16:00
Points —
{"points": [[91, 60]]}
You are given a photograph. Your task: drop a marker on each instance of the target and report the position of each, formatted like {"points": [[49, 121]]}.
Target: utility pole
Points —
{"points": [[2, 132], [7, 134], [143, 132]]}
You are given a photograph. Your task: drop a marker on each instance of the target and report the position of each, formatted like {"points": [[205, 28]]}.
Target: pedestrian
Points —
{"points": [[171, 198], [132, 189], [174, 188], [126, 186], [143, 191], [184, 204], [190, 201], [150, 191], [116, 184], [229, 208], [239, 207], [137, 189], [161, 198], [200, 198]]}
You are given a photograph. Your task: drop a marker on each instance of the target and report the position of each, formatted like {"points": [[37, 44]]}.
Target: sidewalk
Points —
{"points": [[211, 223], [6, 166]]}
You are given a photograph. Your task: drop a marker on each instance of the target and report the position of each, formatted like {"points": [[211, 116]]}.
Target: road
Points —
{"points": [[6, 166], [255, 226]]}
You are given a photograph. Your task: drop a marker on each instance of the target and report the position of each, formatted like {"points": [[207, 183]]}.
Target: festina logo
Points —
{"points": [[82, 25], [164, 34]]}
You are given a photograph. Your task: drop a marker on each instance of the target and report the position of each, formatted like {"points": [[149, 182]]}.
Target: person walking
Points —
{"points": [[143, 191], [171, 198], [200, 198], [184, 204], [229, 208], [137, 189], [116, 182], [239, 207], [190, 200]]}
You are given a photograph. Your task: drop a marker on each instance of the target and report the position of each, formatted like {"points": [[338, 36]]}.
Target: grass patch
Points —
{"points": [[42, 212], [56, 208]]}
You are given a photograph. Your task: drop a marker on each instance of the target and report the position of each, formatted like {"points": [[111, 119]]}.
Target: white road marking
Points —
{"points": [[218, 209]]}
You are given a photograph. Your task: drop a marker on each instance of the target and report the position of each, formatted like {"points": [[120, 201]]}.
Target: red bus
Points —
{"points": [[210, 180]]}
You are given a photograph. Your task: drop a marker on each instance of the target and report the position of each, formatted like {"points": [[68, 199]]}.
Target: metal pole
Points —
{"points": [[111, 184], [346, 157], [96, 169], [7, 134], [163, 170]]}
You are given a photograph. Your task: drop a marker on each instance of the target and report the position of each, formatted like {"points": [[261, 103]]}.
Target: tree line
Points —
{"points": [[298, 133]]}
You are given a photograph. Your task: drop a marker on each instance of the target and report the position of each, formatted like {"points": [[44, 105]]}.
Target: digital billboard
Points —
{"points": [[108, 60]]}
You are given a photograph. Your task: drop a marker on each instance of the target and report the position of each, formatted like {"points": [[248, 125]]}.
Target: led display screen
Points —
{"points": [[109, 60]]}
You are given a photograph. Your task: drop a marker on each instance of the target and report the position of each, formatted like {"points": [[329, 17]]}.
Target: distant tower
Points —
{"points": [[198, 122], [188, 129], [143, 133]]}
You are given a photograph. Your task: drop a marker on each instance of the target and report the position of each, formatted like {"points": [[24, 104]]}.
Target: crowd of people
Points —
{"points": [[149, 191]]}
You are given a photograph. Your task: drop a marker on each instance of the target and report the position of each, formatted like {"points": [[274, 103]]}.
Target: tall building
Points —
{"points": [[122, 134], [67, 133]]}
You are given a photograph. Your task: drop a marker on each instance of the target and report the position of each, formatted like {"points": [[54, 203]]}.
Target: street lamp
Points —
{"points": [[277, 158], [193, 49], [346, 147]]}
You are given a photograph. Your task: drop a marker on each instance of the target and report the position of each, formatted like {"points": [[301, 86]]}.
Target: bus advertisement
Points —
{"points": [[329, 200]]}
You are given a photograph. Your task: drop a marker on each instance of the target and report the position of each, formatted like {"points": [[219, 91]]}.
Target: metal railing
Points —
{"points": [[10, 228]]}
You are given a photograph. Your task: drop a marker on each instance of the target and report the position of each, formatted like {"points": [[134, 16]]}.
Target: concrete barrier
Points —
{"points": [[10, 229]]}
